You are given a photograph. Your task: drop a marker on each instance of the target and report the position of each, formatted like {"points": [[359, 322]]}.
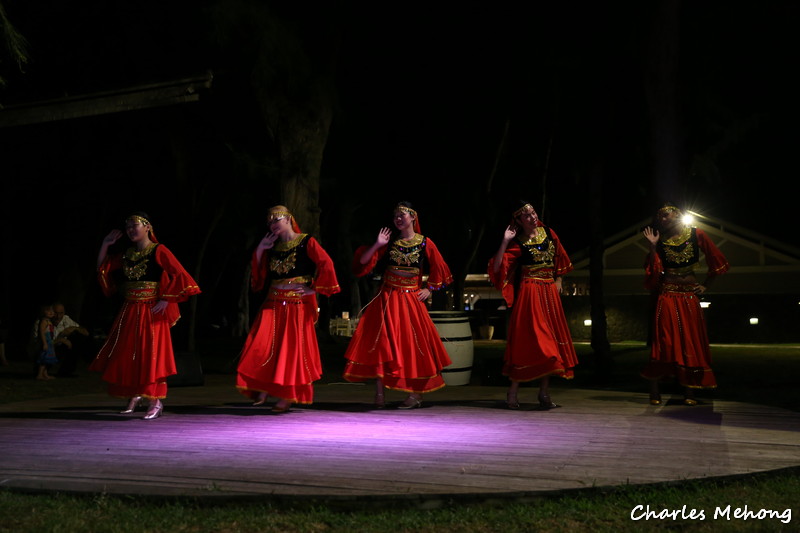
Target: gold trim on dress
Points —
{"points": [[182, 293], [282, 246], [406, 258], [679, 239], [133, 254], [538, 237], [320, 288], [140, 259], [413, 241]]}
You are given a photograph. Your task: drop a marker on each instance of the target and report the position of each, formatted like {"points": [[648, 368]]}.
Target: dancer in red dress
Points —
{"points": [[137, 357], [396, 342], [680, 342], [281, 356], [528, 268]]}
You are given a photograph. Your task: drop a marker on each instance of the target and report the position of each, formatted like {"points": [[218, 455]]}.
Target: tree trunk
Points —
{"points": [[460, 281], [661, 87], [301, 148], [601, 348]]}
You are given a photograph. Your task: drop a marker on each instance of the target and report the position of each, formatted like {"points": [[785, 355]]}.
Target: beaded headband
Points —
{"points": [[523, 209], [668, 208], [406, 209], [140, 219], [278, 214]]}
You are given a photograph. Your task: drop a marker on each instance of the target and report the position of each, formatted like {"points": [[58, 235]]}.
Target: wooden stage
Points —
{"points": [[211, 442]]}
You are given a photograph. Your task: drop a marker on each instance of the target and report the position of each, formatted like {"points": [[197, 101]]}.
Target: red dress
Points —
{"points": [[396, 340], [539, 343], [137, 357], [281, 355], [680, 341]]}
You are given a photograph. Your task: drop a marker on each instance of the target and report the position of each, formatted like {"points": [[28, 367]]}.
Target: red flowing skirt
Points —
{"points": [[539, 343], [397, 341], [137, 357], [281, 355], [680, 342]]}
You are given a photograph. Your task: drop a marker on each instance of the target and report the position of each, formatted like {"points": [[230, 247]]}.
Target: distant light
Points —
{"points": [[688, 219], [754, 321], [587, 322], [705, 305]]}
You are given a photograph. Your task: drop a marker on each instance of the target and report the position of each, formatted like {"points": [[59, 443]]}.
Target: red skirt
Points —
{"points": [[281, 355], [137, 357], [539, 343], [680, 341], [397, 341]]}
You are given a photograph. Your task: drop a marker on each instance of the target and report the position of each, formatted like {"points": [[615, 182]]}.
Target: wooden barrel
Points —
{"points": [[456, 336]]}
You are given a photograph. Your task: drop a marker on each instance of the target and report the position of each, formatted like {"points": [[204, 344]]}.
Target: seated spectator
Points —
{"points": [[3, 335], [46, 357], [72, 342]]}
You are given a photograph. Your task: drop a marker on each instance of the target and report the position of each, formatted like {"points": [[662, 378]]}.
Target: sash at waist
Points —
{"points": [[140, 291], [540, 272], [298, 280], [391, 279], [285, 296], [682, 271], [682, 288]]}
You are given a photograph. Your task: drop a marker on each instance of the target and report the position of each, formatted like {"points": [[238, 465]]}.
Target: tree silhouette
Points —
{"points": [[16, 47]]}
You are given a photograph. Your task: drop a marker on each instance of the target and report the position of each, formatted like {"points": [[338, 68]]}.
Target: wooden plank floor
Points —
{"points": [[211, 442]]}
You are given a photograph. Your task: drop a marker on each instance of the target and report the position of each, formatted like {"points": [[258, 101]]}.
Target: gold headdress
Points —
{"points": [[273, 215], [522, 209], [137, 218], [668, 207], [141, 218], [406, 209], [279, 211]]}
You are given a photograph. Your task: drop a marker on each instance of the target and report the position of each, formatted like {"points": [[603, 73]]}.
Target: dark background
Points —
{"points": [[423, 94]]}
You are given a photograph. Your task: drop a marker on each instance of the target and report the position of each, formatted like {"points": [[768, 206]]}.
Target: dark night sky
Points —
{"points": [[423, 93]]}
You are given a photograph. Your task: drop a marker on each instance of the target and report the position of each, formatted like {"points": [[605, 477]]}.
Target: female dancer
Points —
{"points": [[396, 342], [137, 357], [281, 356], [528, 268], [680, 342]]}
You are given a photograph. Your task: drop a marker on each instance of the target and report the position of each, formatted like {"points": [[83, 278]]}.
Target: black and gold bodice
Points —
{"points": [[539, 251], [140, 266], [407, 254], [289, 261], [680, 254]]}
